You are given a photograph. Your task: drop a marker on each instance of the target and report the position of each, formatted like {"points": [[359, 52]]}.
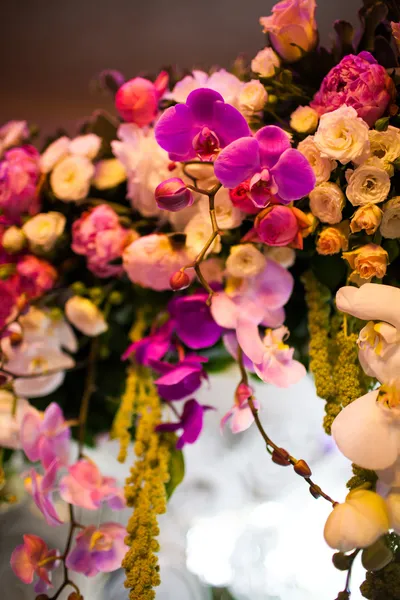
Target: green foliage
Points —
{"points": [[385, 583], [362, 477], [176, 470]]}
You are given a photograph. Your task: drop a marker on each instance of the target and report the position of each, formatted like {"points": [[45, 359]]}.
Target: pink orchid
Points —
{"points": [[33, 558], [85, 486], [241, 414], [42, 488], [98, 550], [272, 358], [46, 438]]}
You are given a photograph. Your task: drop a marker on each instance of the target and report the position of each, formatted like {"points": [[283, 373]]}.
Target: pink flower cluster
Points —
{"points": [[357, 81], [19, 175], [99, 236]]}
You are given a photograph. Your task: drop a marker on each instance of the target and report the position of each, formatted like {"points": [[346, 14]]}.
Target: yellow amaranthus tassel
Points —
{"points": [[145, 491]]}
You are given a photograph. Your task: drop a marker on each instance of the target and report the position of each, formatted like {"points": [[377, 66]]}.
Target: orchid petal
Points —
{"points": [[201, 103], [371, 302], [174, 131], [293, 175], [242, 420], [249, 340], [30, 435], [237, 162], [229, 124], [273, 142]]}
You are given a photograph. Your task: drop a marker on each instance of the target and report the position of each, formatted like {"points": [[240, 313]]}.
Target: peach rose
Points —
{"points": [[366, 217], [326, 202], [333, 239], [368, 261]]}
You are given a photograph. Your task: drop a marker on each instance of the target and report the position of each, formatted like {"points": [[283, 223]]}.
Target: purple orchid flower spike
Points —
{"points": [[179, 380], [46, 438], [85, 486], [153, 346], [273, 167], [194, 323], [191, 422], [33, 558], [201, 127], [98, 550], [42, 488]]}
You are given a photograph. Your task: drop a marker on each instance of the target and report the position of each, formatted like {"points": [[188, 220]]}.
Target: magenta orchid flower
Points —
{"points": [[85, 486], [151, 347], [191, 423], [194, 323], [46, 438], [33, 558], [42, 487], [98, 550], [181, 379], [240, 415], [259, 299], [273, 167], [201, 127], [272, 358]]}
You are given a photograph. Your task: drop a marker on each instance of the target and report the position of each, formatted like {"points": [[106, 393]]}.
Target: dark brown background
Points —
{"points": [[51, 49]]}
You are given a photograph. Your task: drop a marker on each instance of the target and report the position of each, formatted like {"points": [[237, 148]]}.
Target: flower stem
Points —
{"points": [[87, 394]]}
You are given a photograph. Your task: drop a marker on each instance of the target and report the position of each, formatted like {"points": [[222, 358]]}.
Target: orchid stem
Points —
{"points": [[87, 394]]}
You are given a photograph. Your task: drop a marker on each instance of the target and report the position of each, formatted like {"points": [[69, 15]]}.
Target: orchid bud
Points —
{"points": [[173, 195], [302, 468], [281, 458], [179, 281]]}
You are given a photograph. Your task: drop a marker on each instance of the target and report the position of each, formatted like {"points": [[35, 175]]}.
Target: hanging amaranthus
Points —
{"points": [[145, 492]]}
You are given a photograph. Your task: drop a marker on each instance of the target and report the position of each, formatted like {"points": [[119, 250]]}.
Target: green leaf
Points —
{"points": [[382, 124], [392, 248], [377, 556], [176, 470], [330, 270]]}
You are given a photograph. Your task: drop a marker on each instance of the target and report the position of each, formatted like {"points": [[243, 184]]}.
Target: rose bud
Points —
{"points": [[179, 281], [173, 195], [302, 468]]}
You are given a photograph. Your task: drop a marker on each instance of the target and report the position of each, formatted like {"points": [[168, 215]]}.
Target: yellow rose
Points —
{"points": [[304, 119], [367, 217], [333, 239], [368, 261]]}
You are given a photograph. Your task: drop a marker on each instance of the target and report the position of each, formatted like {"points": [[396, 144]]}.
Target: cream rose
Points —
{"points": [[228, 216], [85, 316], [326, 202], [304, 119], [245, 260], [390, 226], [85, 145], [368, 261], [342, 135], [366, 217], [265, 63], [54, 153], [43, 230], [13, 240], [283, 255], [385, 146], [70, 179], [198, 231], [109, 173], [332, 240], [368, 184], [252, 97], [321, 165]]}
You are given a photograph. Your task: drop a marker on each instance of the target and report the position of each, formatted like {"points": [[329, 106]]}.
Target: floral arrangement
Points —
{"points": [[250, 216]]}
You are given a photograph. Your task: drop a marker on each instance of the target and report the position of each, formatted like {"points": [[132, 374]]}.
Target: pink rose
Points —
{"points": [[137, 99], [240, 197], [357, 81], [19, 174], [36, 276], [281, 226], [98, 235], [292, 22]]}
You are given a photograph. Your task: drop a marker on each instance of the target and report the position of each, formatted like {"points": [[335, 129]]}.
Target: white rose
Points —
{"points": [[85, 316], [109, 173], [43, 230], [265, 63], [13, 240], [321, 165], [385, 145], [227, 84], [198, 231], [12, 134], [326, 202], [70, 179], [390, 225], [253, 97], [304, 119], [54, 153], [368, 184], [245, 260], [85, 145], [228, 216], [283, 255], [342, 135]]}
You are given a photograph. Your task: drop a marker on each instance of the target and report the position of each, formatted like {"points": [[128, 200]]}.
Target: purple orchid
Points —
{"points": [[85, 486], [273, 167], [42, 487], [179, 380], [98, 550], [46, 438], [33, 558], [151, 347], [191, 422], [194, 323], [201, 127], [240, 415]]}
